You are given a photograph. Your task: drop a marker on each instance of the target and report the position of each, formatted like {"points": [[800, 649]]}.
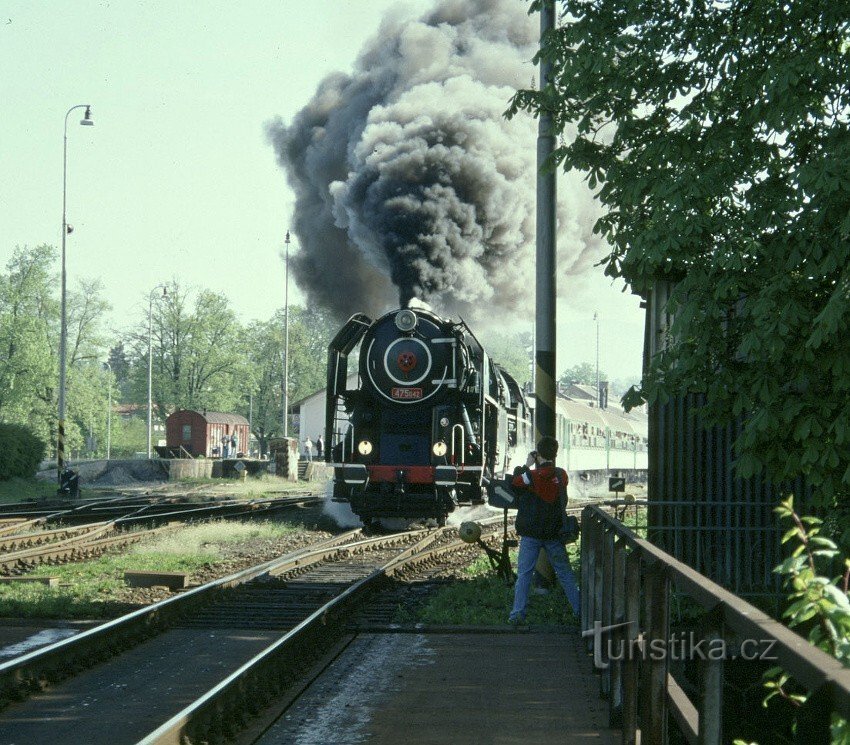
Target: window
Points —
{"points": [[187, 432]]}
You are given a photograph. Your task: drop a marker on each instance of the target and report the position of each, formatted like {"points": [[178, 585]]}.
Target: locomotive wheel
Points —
{"points": [[441, 521]]}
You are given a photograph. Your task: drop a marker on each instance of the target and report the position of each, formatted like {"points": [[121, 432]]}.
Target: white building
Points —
{"points": [[310, 411]]}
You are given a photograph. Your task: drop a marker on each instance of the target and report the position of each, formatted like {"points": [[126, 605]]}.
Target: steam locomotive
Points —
{"points": [[426, 423]]}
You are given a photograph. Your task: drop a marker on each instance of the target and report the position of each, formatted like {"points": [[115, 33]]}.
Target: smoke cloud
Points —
{"points": [[409, 181]]}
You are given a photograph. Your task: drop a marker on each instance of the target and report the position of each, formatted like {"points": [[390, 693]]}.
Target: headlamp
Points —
{"points": [[405, 320]]}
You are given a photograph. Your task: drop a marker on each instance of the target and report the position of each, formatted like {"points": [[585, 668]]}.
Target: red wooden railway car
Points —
{"points": [[201, 433]]}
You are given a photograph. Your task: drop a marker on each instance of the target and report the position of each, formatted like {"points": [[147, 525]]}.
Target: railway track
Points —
{"points": [[263, 626], [129, 523]]}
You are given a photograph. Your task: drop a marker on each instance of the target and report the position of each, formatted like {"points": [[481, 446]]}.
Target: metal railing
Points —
{"points": [[626, 580]]}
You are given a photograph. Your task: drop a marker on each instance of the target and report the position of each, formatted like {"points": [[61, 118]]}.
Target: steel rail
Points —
{"points": [[27, 673], [76, 548], [19, 541], [223, 704]]}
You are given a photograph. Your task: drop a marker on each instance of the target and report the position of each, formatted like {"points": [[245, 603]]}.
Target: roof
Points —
{"points": [[633, 422], [581, 390], [216, 417]]}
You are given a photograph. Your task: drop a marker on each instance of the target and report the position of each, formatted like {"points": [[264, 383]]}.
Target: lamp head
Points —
{"points": [[165, 291], [86, 120], [287, 236]]}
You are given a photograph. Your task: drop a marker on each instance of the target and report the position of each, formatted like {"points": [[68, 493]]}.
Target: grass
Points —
{"points": [[253, 487], [23, 490], [93, 589], [483, 599]]}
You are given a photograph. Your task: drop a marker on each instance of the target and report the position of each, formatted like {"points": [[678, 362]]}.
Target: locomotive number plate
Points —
{"points": [[406, 394]]}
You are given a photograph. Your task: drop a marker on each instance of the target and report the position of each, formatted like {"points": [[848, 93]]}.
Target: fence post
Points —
{"points": [[598, 571], [586, 561], [607, 615], [630, 663], [711, 689], [620, 636], [655, 731]]}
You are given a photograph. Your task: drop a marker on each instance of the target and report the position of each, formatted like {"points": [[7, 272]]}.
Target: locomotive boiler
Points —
{"points": [[430, 421]]}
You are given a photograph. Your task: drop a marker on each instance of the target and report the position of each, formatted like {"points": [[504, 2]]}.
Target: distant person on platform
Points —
{"points": [[539, 522], [225, 442], [308, 448], [320, 446], [234, 442]]}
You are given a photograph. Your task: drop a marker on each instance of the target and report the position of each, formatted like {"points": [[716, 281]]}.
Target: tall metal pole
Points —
{"points": [[150, 362], [544, 381], [63, 333], [598, 396], [108, 411], [286, 346]]}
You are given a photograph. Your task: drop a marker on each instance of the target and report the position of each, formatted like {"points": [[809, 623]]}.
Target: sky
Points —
{"points": [[177, 179]]}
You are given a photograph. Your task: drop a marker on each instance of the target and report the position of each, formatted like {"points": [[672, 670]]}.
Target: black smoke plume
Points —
{"points": [[409, 181]]}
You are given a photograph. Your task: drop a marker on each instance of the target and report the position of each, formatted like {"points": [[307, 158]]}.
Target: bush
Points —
{"points": [[20, 452]]}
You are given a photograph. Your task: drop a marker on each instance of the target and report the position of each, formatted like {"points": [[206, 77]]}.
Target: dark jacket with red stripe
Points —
{"points": [[542, 499]]}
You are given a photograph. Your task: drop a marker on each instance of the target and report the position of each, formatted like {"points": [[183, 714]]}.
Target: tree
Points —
{"points": [[120, 365], [263, 347], [513, 353], [310, 331], [583, 373], [197, 359], [29, 348], [716, 134], [29, 329]]}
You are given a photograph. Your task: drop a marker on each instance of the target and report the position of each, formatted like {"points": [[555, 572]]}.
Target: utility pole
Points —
{"points": [[544, 379], [598, 395], [286, 346]]}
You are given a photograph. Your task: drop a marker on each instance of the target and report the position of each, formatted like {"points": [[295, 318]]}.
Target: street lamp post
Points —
{"points": [[63, 334], [598, 396], [150, 360], [108, 411], [286, 346]]}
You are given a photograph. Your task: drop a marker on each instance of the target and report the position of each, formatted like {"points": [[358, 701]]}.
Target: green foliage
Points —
{"points": [[128, 436], [310, 331], [21, 452], [26, 489], [583, 373], [514, 353], [196, 352], [96, 589], [483, 599], [816, 602], [716, 135], [29, 346]]}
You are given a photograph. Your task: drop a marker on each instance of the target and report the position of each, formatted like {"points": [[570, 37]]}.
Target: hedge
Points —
{"points": [[21, 452]]}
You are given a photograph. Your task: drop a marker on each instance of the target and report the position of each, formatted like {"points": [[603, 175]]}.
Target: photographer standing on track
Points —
{"points": [[542, 499]]}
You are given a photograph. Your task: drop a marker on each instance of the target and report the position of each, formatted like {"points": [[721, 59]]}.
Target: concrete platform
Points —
{"points": [[19, 636], [482, 689], [122, 701]]}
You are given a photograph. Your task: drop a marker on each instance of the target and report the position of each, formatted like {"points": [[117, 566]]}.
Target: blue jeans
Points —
{"points": [[529, 549]]}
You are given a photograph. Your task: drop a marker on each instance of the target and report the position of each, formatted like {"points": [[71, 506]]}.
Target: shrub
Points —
{"points": [[20, 452]]}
